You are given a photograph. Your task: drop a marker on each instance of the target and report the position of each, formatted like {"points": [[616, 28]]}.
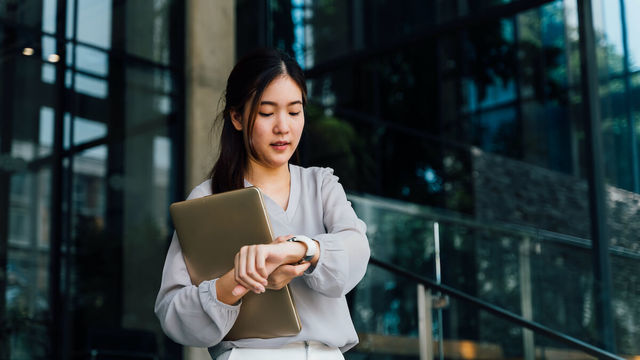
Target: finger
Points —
{"points": [[295, 270], [287, 270], [239, 290], [241, 269], [300, 269], [276, 282], [252, 254], [236, 266], [247, 269], [261, 266]]}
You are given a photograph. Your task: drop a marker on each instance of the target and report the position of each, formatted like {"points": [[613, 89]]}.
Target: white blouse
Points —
{"points": [[318, 207]]}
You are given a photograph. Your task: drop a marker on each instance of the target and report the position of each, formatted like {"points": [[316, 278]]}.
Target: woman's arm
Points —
{"points": [[344, 248], [191, 315]]}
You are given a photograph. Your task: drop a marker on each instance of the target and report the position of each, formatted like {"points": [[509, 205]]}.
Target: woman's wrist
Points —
{"points": [[224, 289], [294, 251]]}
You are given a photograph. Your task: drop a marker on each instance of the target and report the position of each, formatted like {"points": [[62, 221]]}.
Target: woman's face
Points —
{"points": [[279, 122]]}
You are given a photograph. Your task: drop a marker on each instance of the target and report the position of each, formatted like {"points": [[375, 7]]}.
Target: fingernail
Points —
{"points": [[235, 292]]}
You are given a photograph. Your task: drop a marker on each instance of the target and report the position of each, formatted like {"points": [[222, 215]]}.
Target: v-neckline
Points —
{"points": [[293, 193]]}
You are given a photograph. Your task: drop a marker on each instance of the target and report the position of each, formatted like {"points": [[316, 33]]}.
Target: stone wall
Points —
{"points": [[516, 192]]}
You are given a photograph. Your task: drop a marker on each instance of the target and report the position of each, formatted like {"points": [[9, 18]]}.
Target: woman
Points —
{"points": [[263, 120]]}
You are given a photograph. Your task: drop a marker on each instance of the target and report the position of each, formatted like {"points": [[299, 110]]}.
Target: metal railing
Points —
{"points": [[498, 311]]}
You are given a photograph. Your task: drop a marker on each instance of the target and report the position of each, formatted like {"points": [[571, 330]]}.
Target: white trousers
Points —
{"points": [[303, 350]]}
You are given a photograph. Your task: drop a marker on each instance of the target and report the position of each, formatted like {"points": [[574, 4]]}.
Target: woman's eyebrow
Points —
{"points": [[275, 104]]}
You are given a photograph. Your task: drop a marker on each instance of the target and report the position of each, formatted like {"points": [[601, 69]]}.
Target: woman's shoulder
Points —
{"points": [[313, 173], [201, 190]]}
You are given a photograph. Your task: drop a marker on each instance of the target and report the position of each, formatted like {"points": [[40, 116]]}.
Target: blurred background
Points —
{"points": [[490, 145]]}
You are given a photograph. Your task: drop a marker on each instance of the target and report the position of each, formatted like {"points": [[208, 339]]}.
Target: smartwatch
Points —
{"points": [[312, 247]]}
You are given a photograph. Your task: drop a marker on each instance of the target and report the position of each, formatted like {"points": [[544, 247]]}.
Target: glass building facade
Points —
{"points": [[91, 133], [462, 131]]}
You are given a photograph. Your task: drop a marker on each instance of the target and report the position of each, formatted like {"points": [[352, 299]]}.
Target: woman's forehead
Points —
{"points": [[283, 90]]}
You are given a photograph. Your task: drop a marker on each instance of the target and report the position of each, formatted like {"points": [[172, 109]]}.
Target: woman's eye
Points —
{"points": [[294, 113], [265, 114]]}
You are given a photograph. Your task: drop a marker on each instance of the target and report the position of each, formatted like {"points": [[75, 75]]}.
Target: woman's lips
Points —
{"points": [[280, 145]]}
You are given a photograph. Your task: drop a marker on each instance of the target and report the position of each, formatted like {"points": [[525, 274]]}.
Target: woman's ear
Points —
{"points": [[236, 119]]}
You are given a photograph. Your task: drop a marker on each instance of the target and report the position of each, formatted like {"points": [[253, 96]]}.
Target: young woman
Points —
{"points": [[263, 120]]}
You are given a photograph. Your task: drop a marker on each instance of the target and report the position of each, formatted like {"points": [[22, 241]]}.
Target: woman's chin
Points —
{"points": [[274, 162]]}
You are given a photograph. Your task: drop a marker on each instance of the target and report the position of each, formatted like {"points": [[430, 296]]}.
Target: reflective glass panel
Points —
{"points": [[150, 89], [86, 130], [46, 129], [148, 36], [91, 60], [632, 14], [27, 289], [94, 22], [608, 29], [91, 86], [49, 8]]}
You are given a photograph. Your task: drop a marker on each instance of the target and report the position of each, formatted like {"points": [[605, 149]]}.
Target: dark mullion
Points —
{"points": [[6, 133], [595, 177], [177, 130], [68, 231], [518, 79], [116, 146], [57, 303]]}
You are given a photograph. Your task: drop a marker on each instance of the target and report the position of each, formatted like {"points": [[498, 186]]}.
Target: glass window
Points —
{"points": [[496, 131], [27, 13], [150, 90], [46, 128], [91, 86], [49, 16], [49, 48], [48, 73], [27, 287], [608, 30], [85, 130], [632, 14], [91, 60], [95, 180], [384, 21], [94, 22], [330, 32], [148, 36]]}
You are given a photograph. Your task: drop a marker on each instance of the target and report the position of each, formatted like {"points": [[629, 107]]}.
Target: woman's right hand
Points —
{"points": [[254, 263]]}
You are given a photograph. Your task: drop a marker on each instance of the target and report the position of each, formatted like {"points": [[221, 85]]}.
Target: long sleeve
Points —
{"points": [[344, 248], [191, 315]]}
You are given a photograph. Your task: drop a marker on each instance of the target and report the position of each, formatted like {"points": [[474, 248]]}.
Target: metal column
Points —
{"points": [[595, 175]]}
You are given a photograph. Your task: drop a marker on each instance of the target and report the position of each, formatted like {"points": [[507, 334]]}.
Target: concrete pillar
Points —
{"points": [[210, 56]]}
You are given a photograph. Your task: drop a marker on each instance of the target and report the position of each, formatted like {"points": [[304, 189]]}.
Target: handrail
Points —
{"points": [[498, 311], [451, 217]]}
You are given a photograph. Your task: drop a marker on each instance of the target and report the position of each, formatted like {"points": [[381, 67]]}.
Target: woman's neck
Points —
{"points": [[263, 176]]}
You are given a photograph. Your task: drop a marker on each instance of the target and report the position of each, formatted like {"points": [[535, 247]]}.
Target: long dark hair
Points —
{"points": [[251, 75]]}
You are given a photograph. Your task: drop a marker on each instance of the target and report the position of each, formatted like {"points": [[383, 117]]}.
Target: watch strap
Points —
{"points": [[312, 247]]}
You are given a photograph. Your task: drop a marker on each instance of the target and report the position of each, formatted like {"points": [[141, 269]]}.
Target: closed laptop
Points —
{"points": [[211, 230]]}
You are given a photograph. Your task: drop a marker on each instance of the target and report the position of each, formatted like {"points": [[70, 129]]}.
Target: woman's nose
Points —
{"points": [[282, 123]]}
